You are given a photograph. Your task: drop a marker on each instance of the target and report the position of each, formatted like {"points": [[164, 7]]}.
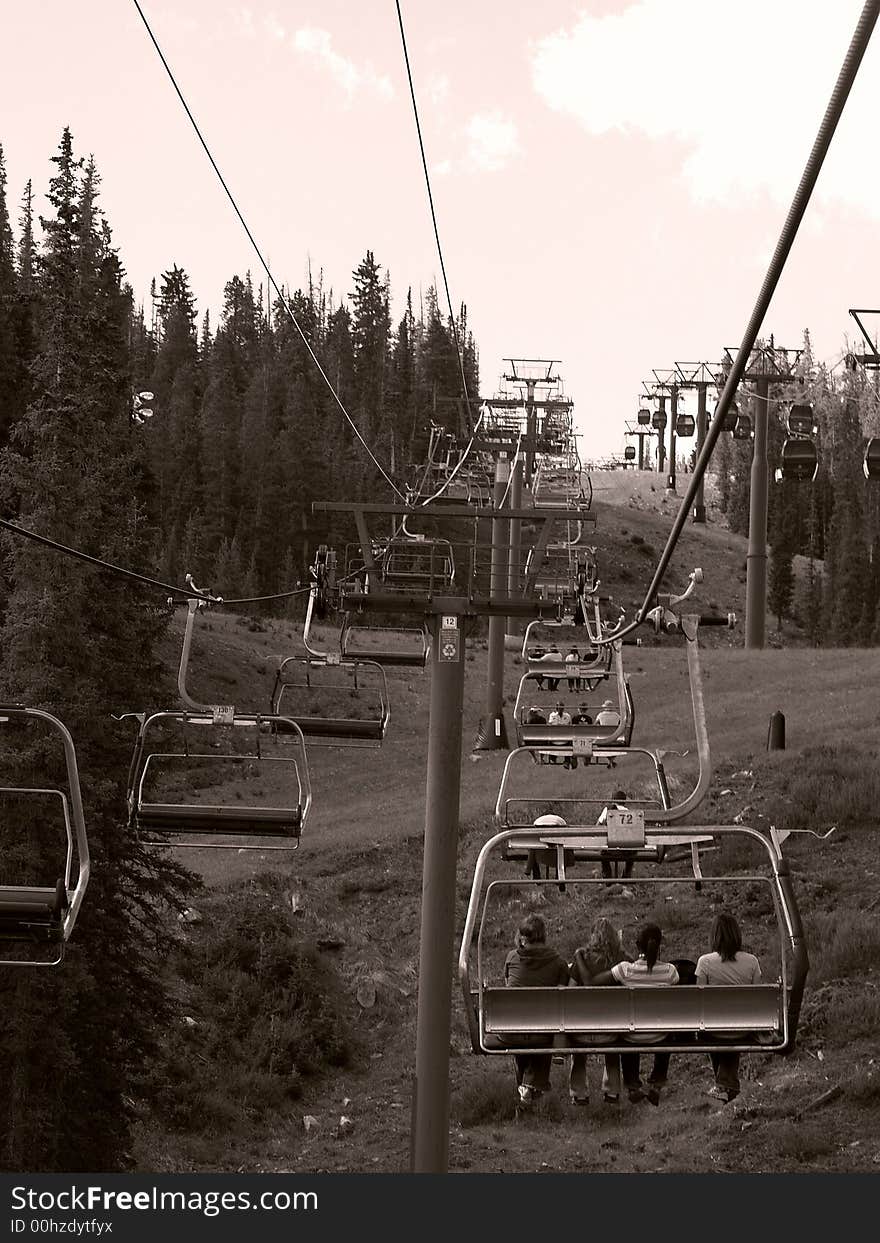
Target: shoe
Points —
{"points": [[575, 1099], [635, 1095], [525, 1096], [610, 1098], [725, 1095], [653, 1096]]}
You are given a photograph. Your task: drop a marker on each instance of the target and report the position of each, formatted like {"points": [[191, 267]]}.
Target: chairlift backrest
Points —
{"points": [[47, 914]]}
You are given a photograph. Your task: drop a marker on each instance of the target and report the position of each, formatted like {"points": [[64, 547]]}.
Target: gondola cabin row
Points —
{"points": [[39, 907]]}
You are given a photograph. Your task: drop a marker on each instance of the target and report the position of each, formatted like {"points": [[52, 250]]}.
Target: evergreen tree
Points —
{"points": [[10, 372], [76, 642]]}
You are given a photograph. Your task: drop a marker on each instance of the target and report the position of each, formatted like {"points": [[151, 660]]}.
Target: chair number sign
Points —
{"points": [[625, 827], [223, 714]]}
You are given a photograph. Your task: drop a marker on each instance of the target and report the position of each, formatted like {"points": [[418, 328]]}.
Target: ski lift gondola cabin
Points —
{"points": [[685, 425], [742, 428], [644, 417], [799, 459], [871, 462], [44, 915]]}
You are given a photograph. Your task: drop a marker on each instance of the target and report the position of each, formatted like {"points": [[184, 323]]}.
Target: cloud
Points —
{"points": [[737, 92], [351, 77], [492, 141]]}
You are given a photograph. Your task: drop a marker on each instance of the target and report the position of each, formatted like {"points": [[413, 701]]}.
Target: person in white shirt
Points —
{"points": [[560, 716], [728, 963], [573, 658], [608, 714], [648, 971]]}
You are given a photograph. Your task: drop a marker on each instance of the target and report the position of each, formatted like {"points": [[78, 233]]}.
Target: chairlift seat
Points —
{"points": [[564, 735], [28, 910], [690, 1015], [204, 818], [336, 727]]}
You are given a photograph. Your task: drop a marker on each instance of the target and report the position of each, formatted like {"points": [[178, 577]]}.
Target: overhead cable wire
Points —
{"points": [[263, 262], [461, 461], [186, 593], [452, 320]]}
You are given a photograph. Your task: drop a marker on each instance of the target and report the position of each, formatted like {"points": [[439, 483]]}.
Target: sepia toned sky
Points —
{"points": [[610, 177]]}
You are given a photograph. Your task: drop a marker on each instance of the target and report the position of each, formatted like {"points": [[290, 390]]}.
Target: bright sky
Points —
{"points": [[610, 178]]}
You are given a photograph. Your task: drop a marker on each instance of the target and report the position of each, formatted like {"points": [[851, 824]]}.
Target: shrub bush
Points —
{"points": [[259, 1012]]}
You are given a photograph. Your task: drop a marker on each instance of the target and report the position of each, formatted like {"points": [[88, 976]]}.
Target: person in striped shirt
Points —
{"points": [[648, 971]]}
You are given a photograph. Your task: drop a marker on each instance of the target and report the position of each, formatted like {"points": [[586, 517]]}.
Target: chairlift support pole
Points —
{"points": [[492, 735], [756, 558], [673, 414], [515, 547], [702, 427], [430, 1147]]}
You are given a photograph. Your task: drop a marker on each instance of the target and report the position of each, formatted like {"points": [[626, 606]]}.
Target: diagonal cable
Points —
{"points": [[259, 254], [458, 346]]}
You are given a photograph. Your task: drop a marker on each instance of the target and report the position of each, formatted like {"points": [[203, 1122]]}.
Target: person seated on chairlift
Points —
{"points": [[572, 658], [608, 714], [648, 971], [619, 804], [728, 963], [537, 653], [550, 821], [555, 656], [560, 716], [533, 963]]}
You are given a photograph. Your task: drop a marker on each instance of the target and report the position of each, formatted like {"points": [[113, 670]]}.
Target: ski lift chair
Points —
{"points": [[418, 561], [44, 915], [301, 681], [751, 1018], [174, 822], [391, 646]]}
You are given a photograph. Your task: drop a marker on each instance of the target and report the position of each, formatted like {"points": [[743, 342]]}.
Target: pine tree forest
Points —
{"points": [[217, 483]]}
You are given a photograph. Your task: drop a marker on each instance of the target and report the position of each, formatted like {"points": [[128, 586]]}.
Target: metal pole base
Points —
{"points": [[491, 735]]}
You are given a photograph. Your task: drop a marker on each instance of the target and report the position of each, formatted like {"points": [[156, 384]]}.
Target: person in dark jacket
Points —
{"points": [[532, 964]]}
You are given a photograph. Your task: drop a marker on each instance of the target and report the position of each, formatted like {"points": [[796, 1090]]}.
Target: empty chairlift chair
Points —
{"points": [[333, 701], [42, 916], [162, 817]]}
